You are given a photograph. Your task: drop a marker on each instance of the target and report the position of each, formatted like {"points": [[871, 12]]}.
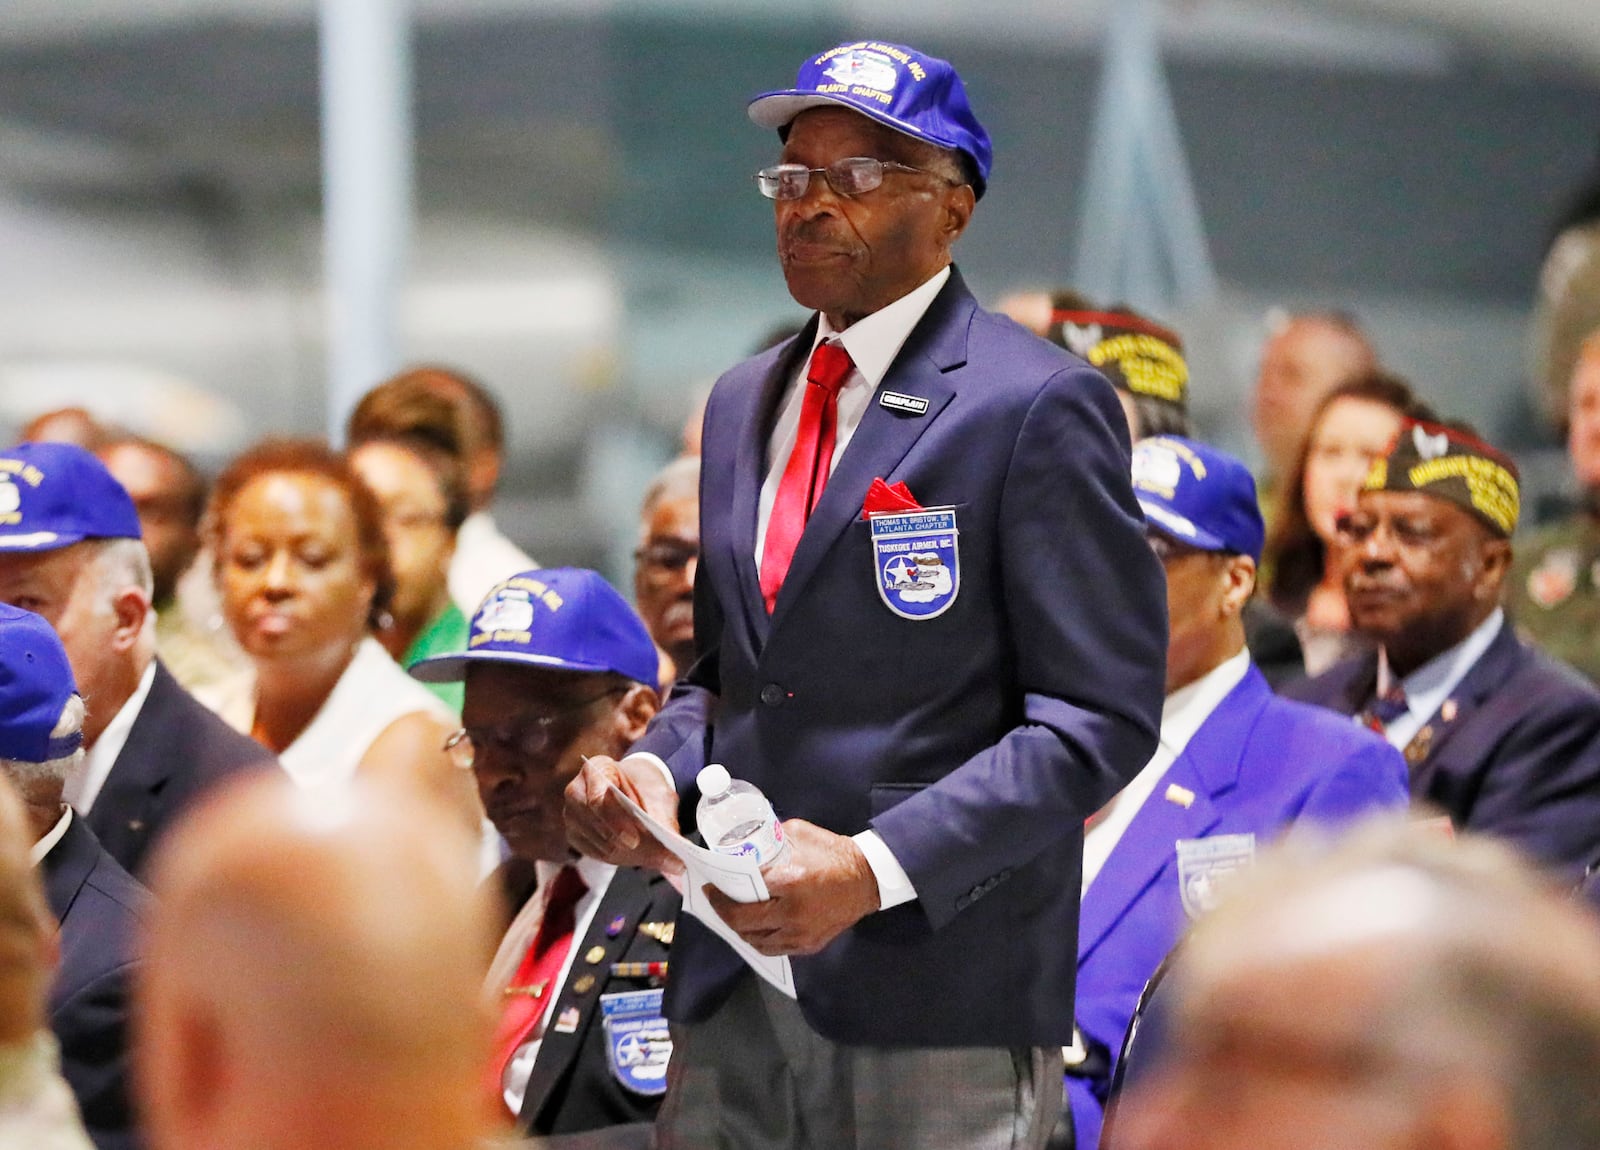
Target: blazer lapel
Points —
{"points": [[1476, 686], [624, 896], [755, 422], [938, 344], [120, 812], [1182, 806]]}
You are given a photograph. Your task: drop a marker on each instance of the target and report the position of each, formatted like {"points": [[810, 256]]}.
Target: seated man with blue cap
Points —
{"points": [[96, 902], [558, 668], [1236, 765], [71, 550]]}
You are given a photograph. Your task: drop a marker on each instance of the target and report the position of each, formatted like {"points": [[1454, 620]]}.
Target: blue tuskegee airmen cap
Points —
{"points": [[53, 495], [35, 684], [1198, 496], [562, 618], [919, 95]]}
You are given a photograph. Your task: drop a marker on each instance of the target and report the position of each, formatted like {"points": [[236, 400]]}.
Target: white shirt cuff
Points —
{"points": [[658, 763], [894, 885]]}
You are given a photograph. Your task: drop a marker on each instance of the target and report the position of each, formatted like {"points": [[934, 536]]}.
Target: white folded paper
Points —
{"points": [[738, 877]]}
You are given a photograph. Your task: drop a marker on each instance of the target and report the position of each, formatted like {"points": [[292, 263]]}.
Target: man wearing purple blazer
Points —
{"points": [[1236, 766]]}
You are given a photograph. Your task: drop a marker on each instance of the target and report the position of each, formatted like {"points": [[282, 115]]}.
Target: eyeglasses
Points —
{"points": [[851, 176], [1413, 534], [528, 738], [666, 556]]}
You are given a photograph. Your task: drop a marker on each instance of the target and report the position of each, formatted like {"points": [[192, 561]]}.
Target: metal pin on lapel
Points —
{"points": [[1183, 796], [905, 404]]}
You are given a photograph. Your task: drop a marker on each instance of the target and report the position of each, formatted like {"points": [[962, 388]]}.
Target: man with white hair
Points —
{"points": [[96, 902], [71, 551], [1396, 990]]}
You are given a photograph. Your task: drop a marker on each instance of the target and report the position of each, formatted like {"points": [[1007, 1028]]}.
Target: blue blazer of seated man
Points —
{"points": [[1236, 765]]}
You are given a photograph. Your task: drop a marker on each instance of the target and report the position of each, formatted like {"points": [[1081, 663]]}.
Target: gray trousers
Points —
{"points": [[755, 1076]]}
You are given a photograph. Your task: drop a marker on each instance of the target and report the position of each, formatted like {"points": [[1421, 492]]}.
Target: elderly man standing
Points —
{"points": [[560, 669], [312, 974], [1498, 735], [70, 549], [1236, 765], [929, 629], [96, 902]]}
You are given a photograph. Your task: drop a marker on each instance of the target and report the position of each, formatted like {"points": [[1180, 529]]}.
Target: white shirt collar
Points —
{"points": [[84, 785], [1440, 674], [1186, 709], [873, 341], [54, 835]]}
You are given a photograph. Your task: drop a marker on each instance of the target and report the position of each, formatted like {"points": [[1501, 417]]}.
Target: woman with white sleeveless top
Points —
{"points": [[302, 568]]}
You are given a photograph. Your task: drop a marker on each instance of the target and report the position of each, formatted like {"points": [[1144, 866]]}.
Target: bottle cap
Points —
{"points": [[713, 779]]}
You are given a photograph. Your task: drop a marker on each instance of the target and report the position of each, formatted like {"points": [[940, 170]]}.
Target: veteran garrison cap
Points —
{"points": [[53, 495], [1197, 495], [35, 684], [562, 618], [919, 95], [1454, 465], [1136, 354]]}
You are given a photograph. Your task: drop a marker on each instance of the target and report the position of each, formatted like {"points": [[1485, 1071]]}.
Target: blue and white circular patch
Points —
{"points": [[918, 561]]}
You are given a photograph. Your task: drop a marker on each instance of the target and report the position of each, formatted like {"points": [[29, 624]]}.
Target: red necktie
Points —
{"points": [[806, 473], [533, 988]]}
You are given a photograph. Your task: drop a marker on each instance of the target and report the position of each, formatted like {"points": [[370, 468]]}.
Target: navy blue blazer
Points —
{"points": [[98, 905], [176, 749], [1514, 752], [1257, 764], [572, 1087], [975, 743]]}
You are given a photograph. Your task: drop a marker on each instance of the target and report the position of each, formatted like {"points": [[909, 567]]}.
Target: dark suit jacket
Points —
{"points": [[572, 1087], [1518, 756], [1257, 764], [176, 749], [98, 905], [976, 742]]}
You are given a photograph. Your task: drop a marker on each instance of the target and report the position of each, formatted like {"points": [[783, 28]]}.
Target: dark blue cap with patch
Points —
{"points": [[35, 684], [921, 96], [561, 618], [1197, 496], [53, 495]]}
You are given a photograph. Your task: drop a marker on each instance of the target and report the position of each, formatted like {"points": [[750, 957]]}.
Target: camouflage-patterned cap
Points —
{"points": [[1450, 464]]}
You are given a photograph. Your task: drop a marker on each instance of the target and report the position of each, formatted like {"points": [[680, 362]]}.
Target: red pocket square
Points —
{"points": [[883, 498]]}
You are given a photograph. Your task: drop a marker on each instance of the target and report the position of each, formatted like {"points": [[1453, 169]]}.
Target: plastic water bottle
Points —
{"points": [[736, 819]]}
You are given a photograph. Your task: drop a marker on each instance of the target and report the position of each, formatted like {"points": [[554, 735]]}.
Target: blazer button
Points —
{"points": [[773, 695]]}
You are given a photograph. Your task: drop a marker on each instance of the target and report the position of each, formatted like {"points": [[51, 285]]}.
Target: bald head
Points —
{"points": [[1398, 990], [27, 934], [313, 975], [1305, 358]]}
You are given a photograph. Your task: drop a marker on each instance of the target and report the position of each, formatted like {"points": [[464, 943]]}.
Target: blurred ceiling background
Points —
{"points": [[588, 239]]}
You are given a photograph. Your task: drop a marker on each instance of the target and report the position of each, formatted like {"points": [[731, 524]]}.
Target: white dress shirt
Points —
{"points": [[1430, 685], [83, 785], [1182, 714], [44, 846], [873, 342], [514, 948]]}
